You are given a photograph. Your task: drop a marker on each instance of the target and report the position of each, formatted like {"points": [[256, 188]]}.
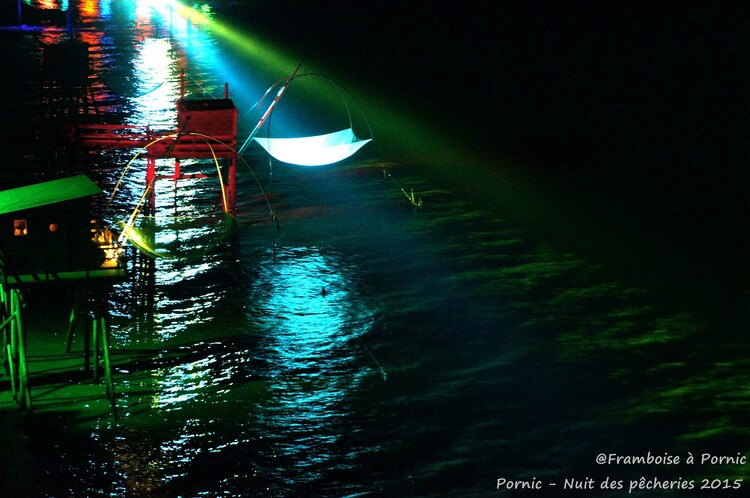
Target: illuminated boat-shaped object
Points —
{"points": [[317, 150]]}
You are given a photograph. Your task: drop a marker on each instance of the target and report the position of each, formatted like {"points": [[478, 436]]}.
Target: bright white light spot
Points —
{"points": [[317, 150]]}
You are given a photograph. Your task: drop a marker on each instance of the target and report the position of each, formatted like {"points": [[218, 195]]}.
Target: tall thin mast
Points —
{"points": [[270, 108]]}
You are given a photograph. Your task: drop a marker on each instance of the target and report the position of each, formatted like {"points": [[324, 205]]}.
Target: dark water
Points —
{"points": [[572, 285]]}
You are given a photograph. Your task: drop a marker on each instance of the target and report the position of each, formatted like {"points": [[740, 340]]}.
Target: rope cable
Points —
{"points": [[417, 202], [206, 138], [383, 373], [270, 107], [128, 227], [343, 93], [134, 215], [176, 136]]}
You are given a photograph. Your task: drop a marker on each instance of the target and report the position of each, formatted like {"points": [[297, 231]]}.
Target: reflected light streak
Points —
{"points": [[184, 239], [309, 318], [158, 89], [268, 62], [305, 301], [306, 325], [394, 124], [49, 4], [187, 382], [251, 46], [143, 9], [89, 8]]}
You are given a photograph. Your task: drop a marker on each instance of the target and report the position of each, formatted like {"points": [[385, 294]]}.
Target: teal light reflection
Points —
{"points": [[310, 319], [307, 305]]}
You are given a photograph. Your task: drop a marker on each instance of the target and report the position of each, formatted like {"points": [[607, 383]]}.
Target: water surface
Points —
{"points": [[361, 346]]}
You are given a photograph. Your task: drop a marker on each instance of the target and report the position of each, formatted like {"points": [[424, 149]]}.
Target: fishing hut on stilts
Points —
{"points": [[48, 239], [206, 130]]}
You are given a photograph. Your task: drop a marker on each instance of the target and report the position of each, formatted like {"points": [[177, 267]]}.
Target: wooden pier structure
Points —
{"points": [[47, 239], [206, 129]]}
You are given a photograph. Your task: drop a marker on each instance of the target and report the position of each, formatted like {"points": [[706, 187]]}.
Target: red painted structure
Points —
{"points": [[206, 129]]}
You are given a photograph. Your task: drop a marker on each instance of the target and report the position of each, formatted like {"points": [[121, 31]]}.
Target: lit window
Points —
{"points": [[20, 228]]}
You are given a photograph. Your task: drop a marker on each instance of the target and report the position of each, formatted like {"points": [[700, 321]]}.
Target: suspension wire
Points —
{"points": [[176, 136], [128, 227], [257, 180], [270, 107], [134, 215], [136, 212], [286, 81], [268, 136], [383, 373], [268, 91], [122, 176], [221, 178], [343, 91], [203, 89], [416, 201], [150, 91]]}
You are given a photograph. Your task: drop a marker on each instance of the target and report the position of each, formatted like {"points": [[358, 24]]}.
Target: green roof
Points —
{"points": [[43, 194]]}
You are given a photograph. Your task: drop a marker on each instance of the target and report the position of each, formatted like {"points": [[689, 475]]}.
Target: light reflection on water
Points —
{"points": [[239, 374], [157, 86], [262, 377], [283, 385], [310, 320], [308, 300]]}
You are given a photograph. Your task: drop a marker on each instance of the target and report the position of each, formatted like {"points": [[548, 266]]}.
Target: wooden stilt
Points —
{"points": [[73, 318], [95, 343], [12, 371], [5, 328], [100, 344], [109, 382], [11, 346], [23, 365], [15, 348], [86, 334], [90, 313]]}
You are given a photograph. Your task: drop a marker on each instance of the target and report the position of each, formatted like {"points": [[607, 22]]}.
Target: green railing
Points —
{"points": [[89, 312]]}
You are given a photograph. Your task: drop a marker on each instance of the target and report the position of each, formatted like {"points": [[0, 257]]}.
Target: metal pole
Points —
{"points": [[270, 108], [95, 341], [232, 185], [23, 366], [107, 363], [73, 318]]}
